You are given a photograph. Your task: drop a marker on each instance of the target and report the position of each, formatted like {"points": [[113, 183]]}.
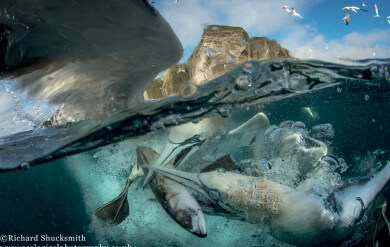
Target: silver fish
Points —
{"points": [[177, 201]]}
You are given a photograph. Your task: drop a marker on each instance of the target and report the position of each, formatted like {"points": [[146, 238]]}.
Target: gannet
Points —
{"points": [[346, 18], [294, 13], [285, 7], [376, 10], [353, 8], [350, 8], [294, 215], [177, 201]]}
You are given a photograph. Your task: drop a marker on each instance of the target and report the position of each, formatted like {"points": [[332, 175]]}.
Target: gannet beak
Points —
{"points": [[187, 179], [172, 150]]}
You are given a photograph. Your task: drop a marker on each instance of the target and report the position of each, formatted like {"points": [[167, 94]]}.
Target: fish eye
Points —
{"points": [[187, 222], [221, 170], [214, 195]]}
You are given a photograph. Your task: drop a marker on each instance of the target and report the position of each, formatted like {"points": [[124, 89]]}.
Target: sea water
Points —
{"points": [[66, 172]]}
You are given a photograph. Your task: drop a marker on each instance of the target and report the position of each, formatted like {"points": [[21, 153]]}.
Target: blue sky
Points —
{"points": [[321, 27]]}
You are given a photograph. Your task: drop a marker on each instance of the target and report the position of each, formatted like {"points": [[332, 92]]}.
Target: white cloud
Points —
{"points": [[363, 39], [265, 17], [307, 45]]}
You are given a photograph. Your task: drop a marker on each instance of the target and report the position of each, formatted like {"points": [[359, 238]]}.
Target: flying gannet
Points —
{"points": [[376, 10], [285, 7], [350, 8], [294, 13]]}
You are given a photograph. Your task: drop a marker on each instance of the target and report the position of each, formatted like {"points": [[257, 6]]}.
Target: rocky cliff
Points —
{"points": [[219, 50]]}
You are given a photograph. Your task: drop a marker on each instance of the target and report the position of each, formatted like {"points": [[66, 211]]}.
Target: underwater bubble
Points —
{"points": [[247, 68], [247, 106], [188, 90], [243, 83], [225, 111], [374, 69], [25, 165], [248, 65], [246, 71], [342, 165], [338, 90], [366, 97], [109, 128], [330, 161], [286, 124], [259, 91], [276, 66], [322, 131], [157, 125], [299, 125]]}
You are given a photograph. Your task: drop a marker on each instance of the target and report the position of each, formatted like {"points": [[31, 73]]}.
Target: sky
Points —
{"points": [[321, 34]]}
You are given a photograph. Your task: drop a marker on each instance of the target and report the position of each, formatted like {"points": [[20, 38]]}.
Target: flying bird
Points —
{"points": [[346, 18], [350, 8], [294, 13], [354, 9], [376, 10], [285, 7]]}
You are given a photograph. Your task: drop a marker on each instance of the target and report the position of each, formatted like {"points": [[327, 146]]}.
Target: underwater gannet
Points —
{"points": [[204, 132], [285, 7], [376, 10], [294, 13], [118, 209], [178, 139], [293, 215], [187, 136], [176, 200]]}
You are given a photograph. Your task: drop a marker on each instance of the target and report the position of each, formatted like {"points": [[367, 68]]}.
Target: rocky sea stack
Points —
{"points": [[219, 50]]}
